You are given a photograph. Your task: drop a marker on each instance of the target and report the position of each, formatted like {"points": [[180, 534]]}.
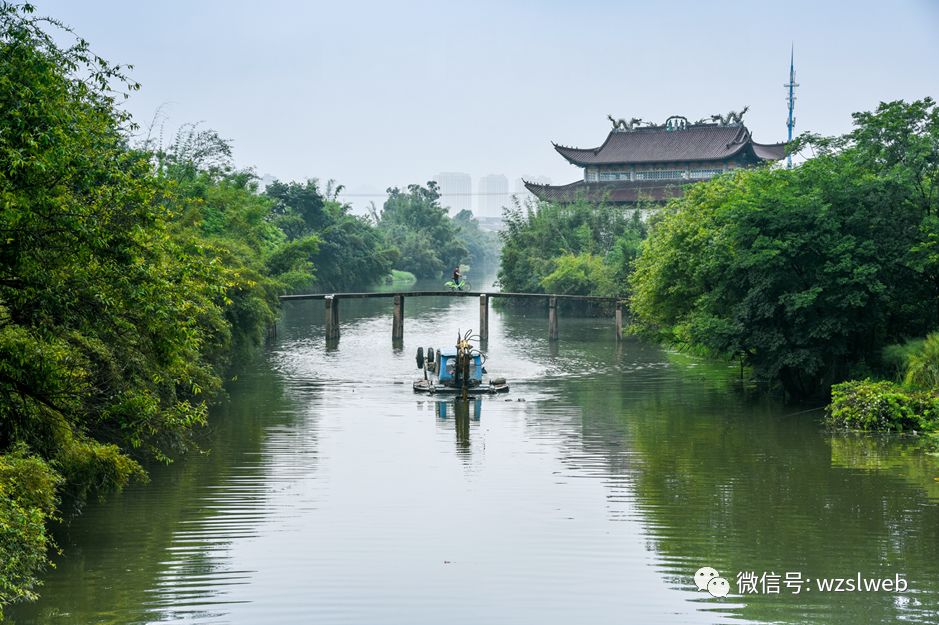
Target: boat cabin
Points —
{"points": [[447, 368]]}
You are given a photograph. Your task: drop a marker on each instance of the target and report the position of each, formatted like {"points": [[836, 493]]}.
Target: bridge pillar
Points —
{"points": [[619, 321], [483, 317], [332, 317], [397, 324], [552, 318]]}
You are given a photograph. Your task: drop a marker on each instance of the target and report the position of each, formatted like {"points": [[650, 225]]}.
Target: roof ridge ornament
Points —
{"points": [[680, 122], [676, 122], [733, 118], [621, 125]]}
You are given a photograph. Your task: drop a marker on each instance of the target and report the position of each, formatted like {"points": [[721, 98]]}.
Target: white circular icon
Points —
{"points": [[704, 575], [718, 587]]}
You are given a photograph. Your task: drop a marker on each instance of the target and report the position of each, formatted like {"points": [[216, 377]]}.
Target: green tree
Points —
{"points": [[97, 340], [299, 208], [922, 370], [129, 276], [597, 241], [900, 141], [414, 224], [349, 251], [806, 274], [580, 274]]}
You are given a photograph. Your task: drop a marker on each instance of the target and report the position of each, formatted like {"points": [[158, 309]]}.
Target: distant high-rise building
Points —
{"points": [[265, 182], [493, 195], [456, 191]]}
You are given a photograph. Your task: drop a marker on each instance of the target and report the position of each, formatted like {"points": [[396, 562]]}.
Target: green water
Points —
{"points": [[591, 494]]}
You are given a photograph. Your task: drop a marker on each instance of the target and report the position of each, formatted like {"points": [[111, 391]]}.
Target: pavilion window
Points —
{"points": [[703, 174], [661, 174], [609, 176]]}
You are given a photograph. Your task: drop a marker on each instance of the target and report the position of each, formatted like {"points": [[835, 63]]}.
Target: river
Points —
{"points": [[328, 492]]}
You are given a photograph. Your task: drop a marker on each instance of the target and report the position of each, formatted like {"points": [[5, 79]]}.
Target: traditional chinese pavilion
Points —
{"points": [[646, 162]]}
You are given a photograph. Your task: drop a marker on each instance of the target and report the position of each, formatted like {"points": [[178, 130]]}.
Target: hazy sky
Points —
{"points": [[376, 94]]}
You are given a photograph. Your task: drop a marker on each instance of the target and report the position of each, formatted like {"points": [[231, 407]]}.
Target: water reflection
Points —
{"points": [[163, 551], [742, 486], [463, 411]]}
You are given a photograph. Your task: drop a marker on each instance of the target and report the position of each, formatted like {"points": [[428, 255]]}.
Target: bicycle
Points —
{"points": [[462, 285]]}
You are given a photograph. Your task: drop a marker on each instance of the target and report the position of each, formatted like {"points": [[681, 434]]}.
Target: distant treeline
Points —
{"points": [[425, 240], [132, 273]]}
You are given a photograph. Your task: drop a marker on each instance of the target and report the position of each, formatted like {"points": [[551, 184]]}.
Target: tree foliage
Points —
{"points": [[806, 273], [99, 333], [581, 247], [28, 498], [348, 250], [418, 228]]}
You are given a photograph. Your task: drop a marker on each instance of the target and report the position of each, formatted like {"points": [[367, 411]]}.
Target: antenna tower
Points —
{"points": [[791, 100]]}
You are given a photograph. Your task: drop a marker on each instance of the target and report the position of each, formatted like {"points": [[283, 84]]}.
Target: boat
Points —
{"points": [[456, 370]]}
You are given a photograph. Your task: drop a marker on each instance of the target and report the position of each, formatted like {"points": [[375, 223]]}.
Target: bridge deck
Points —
{"points": [[585, 298]]}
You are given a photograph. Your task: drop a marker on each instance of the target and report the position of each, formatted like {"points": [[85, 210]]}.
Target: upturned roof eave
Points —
{"points": [[531, 186], [769, 146], [563, 151]]}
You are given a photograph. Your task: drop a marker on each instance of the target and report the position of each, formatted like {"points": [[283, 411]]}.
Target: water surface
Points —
{"points": [[330, 493]]}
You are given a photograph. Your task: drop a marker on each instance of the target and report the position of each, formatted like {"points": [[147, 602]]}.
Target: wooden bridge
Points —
{"points": [[397, 324]]}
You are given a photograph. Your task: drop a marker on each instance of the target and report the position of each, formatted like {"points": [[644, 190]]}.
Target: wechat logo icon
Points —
{"points": [[707, 578]]}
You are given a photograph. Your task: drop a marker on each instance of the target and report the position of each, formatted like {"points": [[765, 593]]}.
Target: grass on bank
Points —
{"points": [[398, 277]]}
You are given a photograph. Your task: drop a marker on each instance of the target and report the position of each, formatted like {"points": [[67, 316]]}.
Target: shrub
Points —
{"points": [[27, 500], [896, 358], [578, 274], [922, 368], [93, 469], [883, 406]]}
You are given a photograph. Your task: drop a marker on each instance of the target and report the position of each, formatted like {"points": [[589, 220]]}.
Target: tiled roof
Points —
{"points": [[770, 151], [702, 142], [616, 192]]}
